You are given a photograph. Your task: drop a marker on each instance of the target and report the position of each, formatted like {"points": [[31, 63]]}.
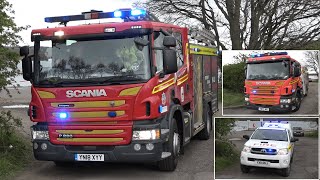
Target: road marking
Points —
{"points": [[19, 106]]}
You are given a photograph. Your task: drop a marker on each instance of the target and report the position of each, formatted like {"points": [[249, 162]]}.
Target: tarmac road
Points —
{"points": [[304, 166], [309, 105], [196, 163]]}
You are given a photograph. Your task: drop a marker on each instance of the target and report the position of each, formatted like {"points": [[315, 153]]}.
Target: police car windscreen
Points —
{"points": [[270, 134]]}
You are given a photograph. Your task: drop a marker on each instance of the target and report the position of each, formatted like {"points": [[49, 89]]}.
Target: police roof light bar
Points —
{"points": [[126, 14]]}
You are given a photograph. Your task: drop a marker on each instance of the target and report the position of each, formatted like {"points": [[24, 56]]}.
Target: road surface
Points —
{"points": [[308, 106], [304, 166], [196, 163]]}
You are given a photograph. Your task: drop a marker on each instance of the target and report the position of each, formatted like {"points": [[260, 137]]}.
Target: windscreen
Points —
{"points": [[106, 60], [270, 134], [268, 71]]}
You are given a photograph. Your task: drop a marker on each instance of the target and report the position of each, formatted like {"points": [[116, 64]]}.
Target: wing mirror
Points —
{"points": [[246, 137]]}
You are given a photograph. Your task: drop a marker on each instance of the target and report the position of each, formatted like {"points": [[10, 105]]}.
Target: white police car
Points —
{"points": [[270, 146]]}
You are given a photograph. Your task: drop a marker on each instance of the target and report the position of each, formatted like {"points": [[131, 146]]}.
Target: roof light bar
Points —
{"points": [[269, 54], [132, 14]]}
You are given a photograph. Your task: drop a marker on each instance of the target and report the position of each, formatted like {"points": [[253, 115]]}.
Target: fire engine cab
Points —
{"points": [[274, 82], [131, 91]]}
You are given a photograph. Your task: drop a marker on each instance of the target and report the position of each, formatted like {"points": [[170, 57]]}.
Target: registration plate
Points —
{"points": [[263, 109], [263, 162], [89, 157]]}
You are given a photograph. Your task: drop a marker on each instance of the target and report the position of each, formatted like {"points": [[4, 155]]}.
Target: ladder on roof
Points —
{"points": [[203, 36]]}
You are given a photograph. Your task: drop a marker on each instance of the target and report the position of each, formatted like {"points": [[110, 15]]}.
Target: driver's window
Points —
{"points": [[158, 42]]}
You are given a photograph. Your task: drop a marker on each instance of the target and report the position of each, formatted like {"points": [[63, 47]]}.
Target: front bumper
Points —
{"points": [[276, 108], [275, 161], [124, 153]]}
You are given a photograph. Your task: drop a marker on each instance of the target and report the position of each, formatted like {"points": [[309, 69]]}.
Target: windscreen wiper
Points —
{"points": [[121, 79]]}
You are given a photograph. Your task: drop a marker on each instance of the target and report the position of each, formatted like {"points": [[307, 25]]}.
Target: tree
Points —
{"points": [[313, 60], [223, 126], [9, 38], [246, 24]]}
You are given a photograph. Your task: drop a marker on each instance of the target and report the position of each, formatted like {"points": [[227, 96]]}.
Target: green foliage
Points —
{"points": [[232, 98], [9, 38], [225, 154], [313, 134], [223, 126], [314, 45], [234, 76], [7, 127]]}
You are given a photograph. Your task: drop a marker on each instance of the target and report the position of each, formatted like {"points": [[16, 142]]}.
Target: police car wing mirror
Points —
{"points": [[294, 139], [246, 137], [169, 41]]}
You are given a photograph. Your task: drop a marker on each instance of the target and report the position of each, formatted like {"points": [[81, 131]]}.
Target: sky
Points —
{"points": [[228, 56], [33, 12]]}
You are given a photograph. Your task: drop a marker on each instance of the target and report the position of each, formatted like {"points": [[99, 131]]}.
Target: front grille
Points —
{"points": [[265, 90], [264, 100], [263, 151], [268, 160]]}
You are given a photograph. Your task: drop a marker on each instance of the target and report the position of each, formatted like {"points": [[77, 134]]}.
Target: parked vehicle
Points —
{"points": [[297, 131]]}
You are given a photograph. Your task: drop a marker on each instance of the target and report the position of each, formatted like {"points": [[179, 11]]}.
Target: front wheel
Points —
{"points": [[286, 171], [244, 169], [170, 163], [297, 104]]}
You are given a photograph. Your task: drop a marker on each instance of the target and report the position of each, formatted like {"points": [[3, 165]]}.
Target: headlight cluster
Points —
{"points": [[285, 101], [146, 134], [283, 151], [40, 135], [246, 149], [246, 99]]}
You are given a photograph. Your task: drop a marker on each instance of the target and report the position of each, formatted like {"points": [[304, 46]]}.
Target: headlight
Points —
{"points": [[283, 151], [40, 135], [246, 99], [146, 134], [286, 101], [246, 149]]}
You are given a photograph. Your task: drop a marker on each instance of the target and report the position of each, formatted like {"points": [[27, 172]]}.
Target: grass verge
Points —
{"points": [[232, 99], [226, 155], [313, 134], [14, 158]]}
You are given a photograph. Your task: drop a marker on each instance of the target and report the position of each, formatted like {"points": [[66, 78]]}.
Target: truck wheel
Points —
{"points": [[63, 163], [170, 163], [244, 168], [204, 134], [286, 171], [297, 104]]}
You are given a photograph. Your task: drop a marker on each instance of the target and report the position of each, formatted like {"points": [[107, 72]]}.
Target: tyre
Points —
{"points": [[170, 163], [286, 171], [298, 100], [63, 163], [244, 168], [205, 133]]}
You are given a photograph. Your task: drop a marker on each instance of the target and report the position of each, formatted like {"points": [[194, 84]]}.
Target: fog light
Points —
{"points": [[281, 106], [44, 146], [137, 147], [35, 145], [149, 146], [287, 106]]}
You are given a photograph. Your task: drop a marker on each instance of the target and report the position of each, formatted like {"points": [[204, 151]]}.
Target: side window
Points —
{"points": [[158, 42], [179, 49]]}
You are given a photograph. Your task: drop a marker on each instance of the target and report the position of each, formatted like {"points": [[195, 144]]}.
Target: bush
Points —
{"points": [[225, 154], [234, 76]]}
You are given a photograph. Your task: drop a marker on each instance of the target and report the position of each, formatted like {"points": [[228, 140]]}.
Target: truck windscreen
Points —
{"points": [[94, 61], [270, 134], [268, 71]]}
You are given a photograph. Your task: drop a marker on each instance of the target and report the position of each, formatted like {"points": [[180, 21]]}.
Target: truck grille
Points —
{"points": [[265, 100], [90, 135], [265, 90], [269, 160], [264, 151]]}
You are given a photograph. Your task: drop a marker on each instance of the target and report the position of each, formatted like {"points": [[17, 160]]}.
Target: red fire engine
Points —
{"points": [[274, 82], [132, 91]]}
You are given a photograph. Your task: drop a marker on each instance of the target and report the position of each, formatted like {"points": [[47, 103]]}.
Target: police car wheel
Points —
{"points": [[244, 169], [286, 171]]}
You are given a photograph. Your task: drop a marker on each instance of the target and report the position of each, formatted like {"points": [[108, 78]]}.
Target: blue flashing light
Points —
{"points": [[117, 14], [138, 12], [112, 114], [254, 91], [63, 115], [269, 54]]}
